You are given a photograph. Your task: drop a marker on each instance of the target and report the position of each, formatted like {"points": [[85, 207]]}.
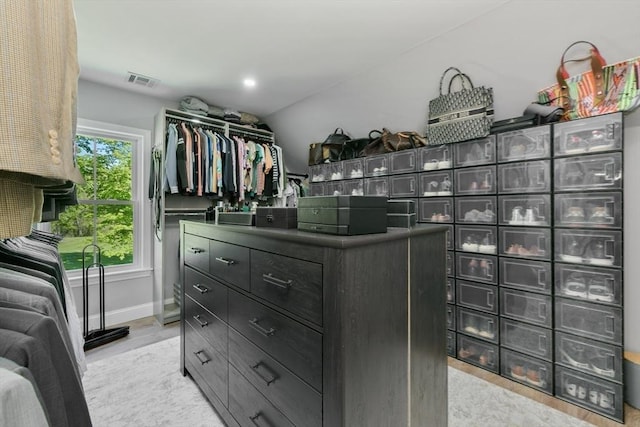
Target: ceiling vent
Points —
{"points": [[140, 80]]}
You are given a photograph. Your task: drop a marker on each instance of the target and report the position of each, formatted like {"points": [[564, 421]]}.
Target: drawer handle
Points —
{"points": [[255, 325], [225, 261], [202, 323], [254, 420], [201, 288], [284, 284], [195, 250], [271, 376], [203, 360]]}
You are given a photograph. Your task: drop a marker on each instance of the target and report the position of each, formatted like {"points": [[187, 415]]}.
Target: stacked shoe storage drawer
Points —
{"points": [[534, 260], [290, 328]]}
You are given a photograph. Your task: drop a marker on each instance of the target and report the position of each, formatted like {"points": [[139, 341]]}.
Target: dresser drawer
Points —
{"points": [[196, 252], [296, 346], [296, 399], [208, 326], [230, 263], [290, 283], [207, 363], [249, 407], [207, 292]]}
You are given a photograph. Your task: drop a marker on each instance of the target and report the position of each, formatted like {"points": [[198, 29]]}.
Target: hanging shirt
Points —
{"points": [[170, 160]]}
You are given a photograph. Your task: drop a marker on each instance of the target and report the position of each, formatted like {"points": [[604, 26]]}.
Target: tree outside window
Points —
{"points": [[104, 215]]}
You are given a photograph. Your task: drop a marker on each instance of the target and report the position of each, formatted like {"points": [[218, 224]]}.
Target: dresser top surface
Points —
{"points": [[208, 229]]}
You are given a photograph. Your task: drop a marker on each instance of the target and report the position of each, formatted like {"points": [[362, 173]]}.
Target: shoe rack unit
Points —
{"points": [[534, 249], [588, 263]]}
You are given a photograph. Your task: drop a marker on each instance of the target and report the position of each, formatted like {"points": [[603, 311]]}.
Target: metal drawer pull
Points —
{"points": [[202, 360], [202, 323], [254, 420], [268, 381], [284, 284], [195, 250], [225, 261], [201, 288], [255, 325]]}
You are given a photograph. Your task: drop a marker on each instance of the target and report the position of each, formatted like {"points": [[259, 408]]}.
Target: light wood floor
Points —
{"points": [[147, 331]]}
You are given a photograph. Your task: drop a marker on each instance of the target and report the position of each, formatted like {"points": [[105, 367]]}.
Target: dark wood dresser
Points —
{"points": [[290, 328]]}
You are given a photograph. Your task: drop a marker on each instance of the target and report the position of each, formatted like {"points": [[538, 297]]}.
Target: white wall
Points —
{"points": [[515, 49]]}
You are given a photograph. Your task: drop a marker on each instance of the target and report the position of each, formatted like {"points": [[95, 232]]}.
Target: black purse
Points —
{"points": [[333, 146]]}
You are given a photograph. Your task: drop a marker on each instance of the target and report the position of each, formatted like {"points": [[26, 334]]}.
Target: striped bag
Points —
{"points": [[600, 90]]}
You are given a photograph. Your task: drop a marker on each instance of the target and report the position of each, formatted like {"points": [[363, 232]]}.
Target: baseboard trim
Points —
{"points": [[120, 316]]}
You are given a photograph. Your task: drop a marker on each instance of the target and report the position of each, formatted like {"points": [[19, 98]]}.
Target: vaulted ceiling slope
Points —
{"points": [[293, 48]]}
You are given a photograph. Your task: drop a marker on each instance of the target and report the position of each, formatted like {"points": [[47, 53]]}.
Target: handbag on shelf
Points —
{"points": [[333, 146], [601, 89], [315, 153], [375, 145], [459, 115], [401, 140], [353, 148]]}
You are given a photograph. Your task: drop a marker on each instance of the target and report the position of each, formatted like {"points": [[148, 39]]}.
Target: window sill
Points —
{"points": [[120, 275]]}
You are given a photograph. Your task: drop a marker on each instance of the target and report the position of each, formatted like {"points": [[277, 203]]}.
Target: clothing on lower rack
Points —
{"points": [[40, 333]]}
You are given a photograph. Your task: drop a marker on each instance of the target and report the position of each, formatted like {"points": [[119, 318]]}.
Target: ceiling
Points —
{"points": [[292, 48]]}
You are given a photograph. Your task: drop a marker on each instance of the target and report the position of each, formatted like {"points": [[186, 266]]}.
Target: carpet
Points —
{"points": [[144, 388]]}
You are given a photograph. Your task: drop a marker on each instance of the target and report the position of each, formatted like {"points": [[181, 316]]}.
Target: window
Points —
{"points": [[109, 208]]}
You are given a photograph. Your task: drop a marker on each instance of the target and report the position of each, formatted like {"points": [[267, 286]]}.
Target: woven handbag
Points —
{"points": [[460, 115]]}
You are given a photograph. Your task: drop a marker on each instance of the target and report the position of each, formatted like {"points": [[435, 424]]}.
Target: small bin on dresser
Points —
{"points": [[276, 217], [343, 215]]}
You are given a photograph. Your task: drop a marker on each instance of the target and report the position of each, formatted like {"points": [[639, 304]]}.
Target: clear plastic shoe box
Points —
{"points": [[403, 161], [601, 133], [451, 290], [593, 284], [527, 209], [479, 353], [524, 144], [435, 157], [478, 324], [593, 247], [318, 173], [527, 370], [477, 267], [526, 307], [451, 317], [316, 189], [353, 187], [526, 275], [451, 343], [585, 173], [451, 264], [590, 320], [436, 184], [353, 168], [476, 238], [437, 209], [477, 296], [525, 242], [524, 177], [376, 165], [589, 356], [403, 185], [476, 210], [528, 339], [376, 186], [589, 210], [590, 392], [335, 172], [334, 188], [475, 180], [475, 152]]}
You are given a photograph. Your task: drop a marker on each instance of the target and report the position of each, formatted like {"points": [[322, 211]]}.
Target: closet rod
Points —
{"points": [[204, 121]]}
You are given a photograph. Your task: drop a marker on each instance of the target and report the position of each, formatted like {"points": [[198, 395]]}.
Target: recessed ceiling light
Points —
{"points": [[249, 83]]}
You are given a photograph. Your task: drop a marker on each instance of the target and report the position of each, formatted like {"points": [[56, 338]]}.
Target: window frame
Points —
{"points": [[142, 244]]}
